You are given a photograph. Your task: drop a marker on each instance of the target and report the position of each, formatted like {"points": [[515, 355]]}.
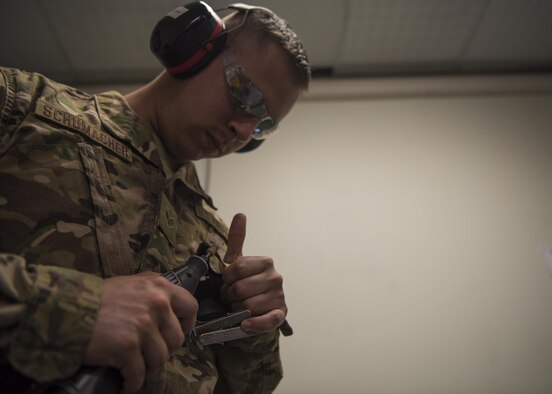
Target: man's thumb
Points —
{"points": [[236, 238]]}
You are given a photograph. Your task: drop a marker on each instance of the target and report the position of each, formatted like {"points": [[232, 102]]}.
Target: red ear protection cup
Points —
{"points": [[188, 38]]}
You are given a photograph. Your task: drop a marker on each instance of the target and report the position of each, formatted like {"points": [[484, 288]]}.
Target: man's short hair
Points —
{"points": [[270, 26]]}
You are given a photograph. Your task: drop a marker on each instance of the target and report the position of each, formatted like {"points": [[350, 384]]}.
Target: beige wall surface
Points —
{"points": [[409, 233]]}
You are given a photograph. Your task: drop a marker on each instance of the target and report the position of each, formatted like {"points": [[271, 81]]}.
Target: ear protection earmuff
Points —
{"points": [[189, 37]]}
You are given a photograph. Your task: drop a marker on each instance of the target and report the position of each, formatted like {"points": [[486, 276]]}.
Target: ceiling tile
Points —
{"points": [[381, 33], [106, 41], [514, 31]]}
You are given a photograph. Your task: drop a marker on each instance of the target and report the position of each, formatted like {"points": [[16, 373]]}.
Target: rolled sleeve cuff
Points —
{"points": [[52, 337]]}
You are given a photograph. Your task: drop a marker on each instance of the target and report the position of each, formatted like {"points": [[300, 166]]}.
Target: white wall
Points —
{"points": [[409, 233]]}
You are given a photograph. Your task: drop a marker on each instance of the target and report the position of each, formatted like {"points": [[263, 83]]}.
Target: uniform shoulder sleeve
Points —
{"points": [[15, 99], [250, 365], [47, 316]]}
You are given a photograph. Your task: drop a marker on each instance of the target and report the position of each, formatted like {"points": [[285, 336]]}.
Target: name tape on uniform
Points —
{"points": [[68, 120]]}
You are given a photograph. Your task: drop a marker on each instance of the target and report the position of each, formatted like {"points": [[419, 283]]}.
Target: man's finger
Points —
{"points": [[236, 238], [133, 373], [265, 323]]}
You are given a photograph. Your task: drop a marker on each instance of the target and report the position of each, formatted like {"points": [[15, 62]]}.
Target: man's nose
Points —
{"points": [[243, 127]]}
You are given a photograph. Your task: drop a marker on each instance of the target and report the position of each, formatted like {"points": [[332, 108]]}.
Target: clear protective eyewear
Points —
{"points": [[247, 95]]}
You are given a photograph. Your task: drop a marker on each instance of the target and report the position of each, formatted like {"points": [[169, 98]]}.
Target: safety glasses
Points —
{"points": [[247, 95]]}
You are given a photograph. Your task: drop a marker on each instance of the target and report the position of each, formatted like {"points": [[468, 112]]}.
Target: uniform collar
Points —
{"points": [[119, 119]]}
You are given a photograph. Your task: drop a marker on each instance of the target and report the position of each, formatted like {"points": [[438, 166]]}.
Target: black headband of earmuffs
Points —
{"points": [[189, 37]]}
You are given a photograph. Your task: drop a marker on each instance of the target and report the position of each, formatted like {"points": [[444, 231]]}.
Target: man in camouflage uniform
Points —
{"points": [[98, 195]]}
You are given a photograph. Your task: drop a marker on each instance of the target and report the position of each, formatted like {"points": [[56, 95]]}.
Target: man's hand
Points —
{"points": [[142, 319], [252, 283]]}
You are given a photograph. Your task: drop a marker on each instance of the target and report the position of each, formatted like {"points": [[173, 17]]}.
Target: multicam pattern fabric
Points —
{"points": [[87, 191], [52, 294]]}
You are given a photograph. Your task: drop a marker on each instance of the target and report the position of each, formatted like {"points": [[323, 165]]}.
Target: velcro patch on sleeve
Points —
{"points": [[67, 120]]}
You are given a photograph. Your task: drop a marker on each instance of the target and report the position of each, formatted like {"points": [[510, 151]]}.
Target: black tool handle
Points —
{"points": [[188, 275]]}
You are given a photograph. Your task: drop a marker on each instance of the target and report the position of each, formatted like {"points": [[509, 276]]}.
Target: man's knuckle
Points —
{"points": [[275, 319], [250, 305], [128, 342], [159, 280], [145, 321], [268, 262], [159, 302], [237, 289], [277, 280], [194, 307], [240, 269], [281, 295]]}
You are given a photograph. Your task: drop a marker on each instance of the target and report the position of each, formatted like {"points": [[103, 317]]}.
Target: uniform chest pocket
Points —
{"points": [[112, 236]]}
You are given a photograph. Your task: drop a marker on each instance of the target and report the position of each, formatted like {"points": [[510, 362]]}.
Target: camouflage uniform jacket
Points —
{"points": [[88, 192]]}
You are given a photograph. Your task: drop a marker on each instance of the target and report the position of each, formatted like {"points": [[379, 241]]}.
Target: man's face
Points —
{"points": [[203, 120]]}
